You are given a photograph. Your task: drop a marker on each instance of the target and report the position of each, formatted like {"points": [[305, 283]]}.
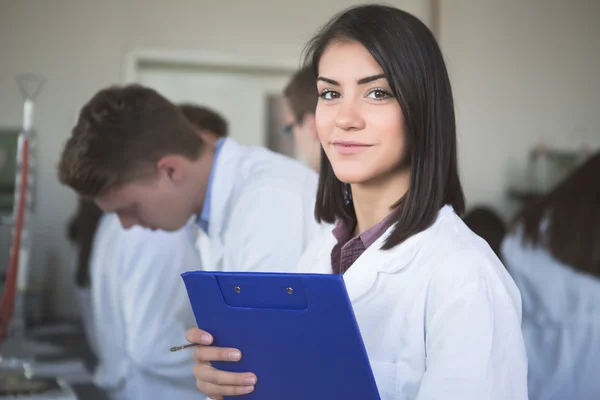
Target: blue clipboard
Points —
{"points": [[296, 332]]}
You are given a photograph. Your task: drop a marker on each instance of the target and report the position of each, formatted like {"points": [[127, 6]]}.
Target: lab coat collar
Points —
{"points": [[363, 273], [204, 217]]}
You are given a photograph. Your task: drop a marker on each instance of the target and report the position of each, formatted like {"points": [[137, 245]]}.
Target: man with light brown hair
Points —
{"points": [[135, 154]]}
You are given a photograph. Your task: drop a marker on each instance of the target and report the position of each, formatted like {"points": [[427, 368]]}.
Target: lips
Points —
{"points": [[346, 147]]}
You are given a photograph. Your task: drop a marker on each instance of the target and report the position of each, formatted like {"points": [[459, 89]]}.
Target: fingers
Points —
{"points": [[209, 374], [213, 382], [216, 383], [196, 335], [217, 392], [210, 353]]}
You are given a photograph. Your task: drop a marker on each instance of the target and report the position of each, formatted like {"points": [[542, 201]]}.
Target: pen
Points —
{"points": [[184, 346]]}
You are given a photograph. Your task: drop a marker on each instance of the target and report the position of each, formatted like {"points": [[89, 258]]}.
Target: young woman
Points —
{"points": [[439, 315], [553, 253]]}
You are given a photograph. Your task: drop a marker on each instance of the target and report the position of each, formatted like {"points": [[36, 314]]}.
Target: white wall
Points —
{"points": [[522, 71], [80, 45]]}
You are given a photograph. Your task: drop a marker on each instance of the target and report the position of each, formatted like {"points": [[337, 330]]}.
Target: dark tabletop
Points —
{"points": [[75, 346]]}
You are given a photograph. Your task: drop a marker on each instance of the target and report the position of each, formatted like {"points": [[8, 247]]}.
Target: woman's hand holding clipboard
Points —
{"points": [[211, 381]]}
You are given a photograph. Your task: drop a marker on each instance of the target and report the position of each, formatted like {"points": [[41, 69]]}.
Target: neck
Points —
{"points": [[374, 200], [200, 172]]}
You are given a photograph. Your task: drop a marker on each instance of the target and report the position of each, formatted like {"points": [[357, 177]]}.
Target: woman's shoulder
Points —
{"points": [[458, 258], [451, 239]]}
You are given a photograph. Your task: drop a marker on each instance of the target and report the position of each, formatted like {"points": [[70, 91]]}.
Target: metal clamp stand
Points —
{"points": [[17, 359], [12, 307]]}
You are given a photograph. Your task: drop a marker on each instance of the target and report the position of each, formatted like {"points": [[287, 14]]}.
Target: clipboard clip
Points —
{"points": [[281, 293], [289, 290]]}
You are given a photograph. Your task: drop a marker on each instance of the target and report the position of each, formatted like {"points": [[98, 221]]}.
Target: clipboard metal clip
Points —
{"points": [[289, 290]]}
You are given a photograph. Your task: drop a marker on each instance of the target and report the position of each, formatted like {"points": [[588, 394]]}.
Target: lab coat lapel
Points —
{"points": [[221, 200], [322, 260], [216, 253], [362, 275], [203, 247]]}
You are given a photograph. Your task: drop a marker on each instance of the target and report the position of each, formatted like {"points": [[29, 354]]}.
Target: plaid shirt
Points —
{"points": [[348, 248]]}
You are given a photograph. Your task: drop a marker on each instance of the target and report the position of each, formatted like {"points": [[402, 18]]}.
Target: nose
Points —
{"points": [[348, 116]]}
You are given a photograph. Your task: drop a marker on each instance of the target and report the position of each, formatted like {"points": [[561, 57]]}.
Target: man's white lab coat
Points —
{"points": [[141, 309], [262, 211]]}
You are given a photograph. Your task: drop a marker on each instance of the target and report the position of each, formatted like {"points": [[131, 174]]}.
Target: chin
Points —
{"points": [[177, 224], [170, 228], [351, 175]]}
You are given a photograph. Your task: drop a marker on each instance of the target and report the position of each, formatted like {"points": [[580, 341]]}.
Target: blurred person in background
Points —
{"points": [[136, 154], [81, 231], [140, 307], [486, 223], [553, 254], [131, 295], [138, 157], [209, 125], [301, 102], [133, 303]]}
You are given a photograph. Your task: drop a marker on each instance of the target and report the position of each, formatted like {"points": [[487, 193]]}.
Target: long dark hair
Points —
{"points": [[571, 218], [81, 231], [414, 67]]}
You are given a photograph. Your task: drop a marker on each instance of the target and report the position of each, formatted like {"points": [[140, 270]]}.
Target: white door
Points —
{"points": [[239, 94]]}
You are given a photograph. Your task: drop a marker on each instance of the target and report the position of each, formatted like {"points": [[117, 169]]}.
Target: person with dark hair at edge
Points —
{"points": [[553, 252], [301, 102], [439, 314], [209, 125], [488, 225], [81, 231]]}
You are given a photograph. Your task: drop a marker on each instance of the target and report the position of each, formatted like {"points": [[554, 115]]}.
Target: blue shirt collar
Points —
{"points": [[204, 217]]}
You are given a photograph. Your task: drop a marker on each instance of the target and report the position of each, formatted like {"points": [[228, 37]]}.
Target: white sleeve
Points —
{"points": [[267, 231], [156, 307], [474, 346]]}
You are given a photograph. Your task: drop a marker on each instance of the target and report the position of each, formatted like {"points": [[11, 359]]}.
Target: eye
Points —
{"points": [[329, 94], [379, 94]]}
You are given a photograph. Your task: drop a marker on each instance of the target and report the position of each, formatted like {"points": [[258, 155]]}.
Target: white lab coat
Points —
{"points": [[439, 315], [561, 322], [141, 309], [262, 211]]}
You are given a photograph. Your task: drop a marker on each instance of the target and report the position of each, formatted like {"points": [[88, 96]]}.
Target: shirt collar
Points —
{"points": [[204, 217], [343, 233]]}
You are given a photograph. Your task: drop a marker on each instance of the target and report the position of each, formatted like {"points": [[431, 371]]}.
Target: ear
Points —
{"points": [[171, 167], [310, 124]]}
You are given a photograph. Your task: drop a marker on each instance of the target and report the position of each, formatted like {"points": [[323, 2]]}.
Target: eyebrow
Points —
{"points": [[361, 81]]}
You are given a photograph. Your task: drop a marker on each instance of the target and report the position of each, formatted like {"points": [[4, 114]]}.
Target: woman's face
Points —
{"points": [[359, 122]]}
